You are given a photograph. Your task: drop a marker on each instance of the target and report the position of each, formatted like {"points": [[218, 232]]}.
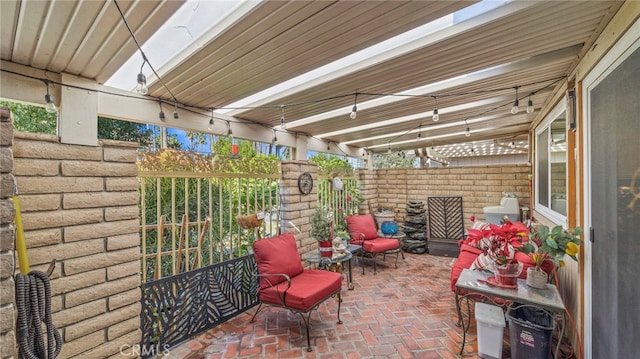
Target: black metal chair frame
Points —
{"points": [[372, 255], [282, 296]]}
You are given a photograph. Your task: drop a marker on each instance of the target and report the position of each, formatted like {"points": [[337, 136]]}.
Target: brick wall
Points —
{"points": [[297, 208], [7, 212], [80, 207], [479, 186]]}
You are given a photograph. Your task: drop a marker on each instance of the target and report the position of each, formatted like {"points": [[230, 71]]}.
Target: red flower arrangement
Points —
{"points": [[497, 242]]}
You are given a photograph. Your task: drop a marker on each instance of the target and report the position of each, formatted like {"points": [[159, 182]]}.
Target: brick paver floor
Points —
{"points": [[408, 312]]}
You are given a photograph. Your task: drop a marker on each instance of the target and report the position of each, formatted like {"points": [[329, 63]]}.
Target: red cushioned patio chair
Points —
{"points": [[284, 283], [363, 232]]}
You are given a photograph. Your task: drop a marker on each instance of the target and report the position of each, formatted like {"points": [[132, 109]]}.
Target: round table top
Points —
{"points": [[314, 257]]}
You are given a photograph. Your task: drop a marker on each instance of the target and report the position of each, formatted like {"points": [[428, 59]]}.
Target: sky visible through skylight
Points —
{"points": [[197, 17]]}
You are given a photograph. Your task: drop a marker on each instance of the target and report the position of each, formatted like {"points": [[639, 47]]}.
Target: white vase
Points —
{"points": [[536, 278]]}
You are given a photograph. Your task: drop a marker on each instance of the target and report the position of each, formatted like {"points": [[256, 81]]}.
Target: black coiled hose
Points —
{"points": [[33, 301]]}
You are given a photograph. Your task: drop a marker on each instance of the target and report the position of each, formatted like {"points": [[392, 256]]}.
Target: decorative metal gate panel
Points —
{"points": [[178, 307], [446, 225]]}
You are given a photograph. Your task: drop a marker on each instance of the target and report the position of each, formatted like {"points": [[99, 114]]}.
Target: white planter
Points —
{"points": [[536, 278]]}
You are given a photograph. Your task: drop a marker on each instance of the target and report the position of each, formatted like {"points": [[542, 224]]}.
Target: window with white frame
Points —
{"points": [[551, 165]]}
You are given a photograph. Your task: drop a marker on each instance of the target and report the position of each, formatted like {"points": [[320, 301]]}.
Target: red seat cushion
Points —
{"points": [[307, 289], [525, 259], [467, 255], [277, 255], [361, 225], [379, 245]]}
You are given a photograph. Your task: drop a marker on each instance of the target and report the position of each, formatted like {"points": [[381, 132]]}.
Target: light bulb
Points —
{"points": [[514, 108], [467, 132], [50, 104], [210, 127], [354, 113], [175, 114], [512, 144], [283, 123], [436, 116], [275, 139], [161, 115], [141, 87], [530, 106]]}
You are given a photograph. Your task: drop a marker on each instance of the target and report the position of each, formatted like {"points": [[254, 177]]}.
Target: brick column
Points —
{"points": [[7, 213], [79, 206], [295, 207]]}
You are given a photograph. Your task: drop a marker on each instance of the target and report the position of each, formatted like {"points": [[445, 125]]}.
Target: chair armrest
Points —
{"points": [[282, 295], [360, 234]]}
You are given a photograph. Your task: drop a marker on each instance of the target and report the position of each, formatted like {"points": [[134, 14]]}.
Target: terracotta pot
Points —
{"points": [[326, 248], [536, 278]]}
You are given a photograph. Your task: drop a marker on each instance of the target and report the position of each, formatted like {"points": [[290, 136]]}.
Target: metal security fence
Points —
{"points": [[189, 220], [339, 203]]}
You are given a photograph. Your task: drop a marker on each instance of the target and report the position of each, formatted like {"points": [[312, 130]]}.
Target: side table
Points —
{"points": [[332, 264], [472, 284]]}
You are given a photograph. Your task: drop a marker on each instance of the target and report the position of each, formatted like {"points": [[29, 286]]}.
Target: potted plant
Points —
{"points": [[321, 224], [498, 244], [550, 245]]}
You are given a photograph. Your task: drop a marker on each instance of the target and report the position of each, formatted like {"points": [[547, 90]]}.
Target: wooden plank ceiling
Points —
{"points": [[308, 58]]}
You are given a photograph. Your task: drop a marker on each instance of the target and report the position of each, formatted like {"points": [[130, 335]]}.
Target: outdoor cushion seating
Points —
{"points": [[362, 230], [468, 255], [285, 283]]}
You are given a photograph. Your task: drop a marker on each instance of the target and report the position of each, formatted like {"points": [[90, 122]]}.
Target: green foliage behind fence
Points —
{"points": [[195, 210]]}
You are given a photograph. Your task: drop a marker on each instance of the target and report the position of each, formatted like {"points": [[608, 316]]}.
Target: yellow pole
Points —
{"points": [[21, 246]]}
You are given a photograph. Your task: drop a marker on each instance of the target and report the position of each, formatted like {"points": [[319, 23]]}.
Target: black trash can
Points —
{"points": [[530, 331]]}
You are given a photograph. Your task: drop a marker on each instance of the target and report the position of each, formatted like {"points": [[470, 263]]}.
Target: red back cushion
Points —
{"points": [[277, 255], [362, 224]]}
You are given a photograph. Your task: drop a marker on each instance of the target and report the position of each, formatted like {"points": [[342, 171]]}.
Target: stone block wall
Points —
{"points": [[7, 264], [296, 208], [79, 206], [479, 186]]}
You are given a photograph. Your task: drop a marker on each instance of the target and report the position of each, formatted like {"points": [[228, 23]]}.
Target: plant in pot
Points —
{"points": [[550, 246], [321, 224], [498, 244]]}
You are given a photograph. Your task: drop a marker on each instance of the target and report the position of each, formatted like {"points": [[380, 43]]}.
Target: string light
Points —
{"points": [[467, 132], [49, 100], [354, 110], [419, 133], [515, 108], [141, 87], [175, 111], [328, 146], [275, 137], [161, 114], [530, 105], [389, 149], [229, 131], [210, 127], [436, 116], [283, 123]]}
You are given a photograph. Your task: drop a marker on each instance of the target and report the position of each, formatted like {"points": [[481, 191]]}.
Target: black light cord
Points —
{"points": [[144, 56]]}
